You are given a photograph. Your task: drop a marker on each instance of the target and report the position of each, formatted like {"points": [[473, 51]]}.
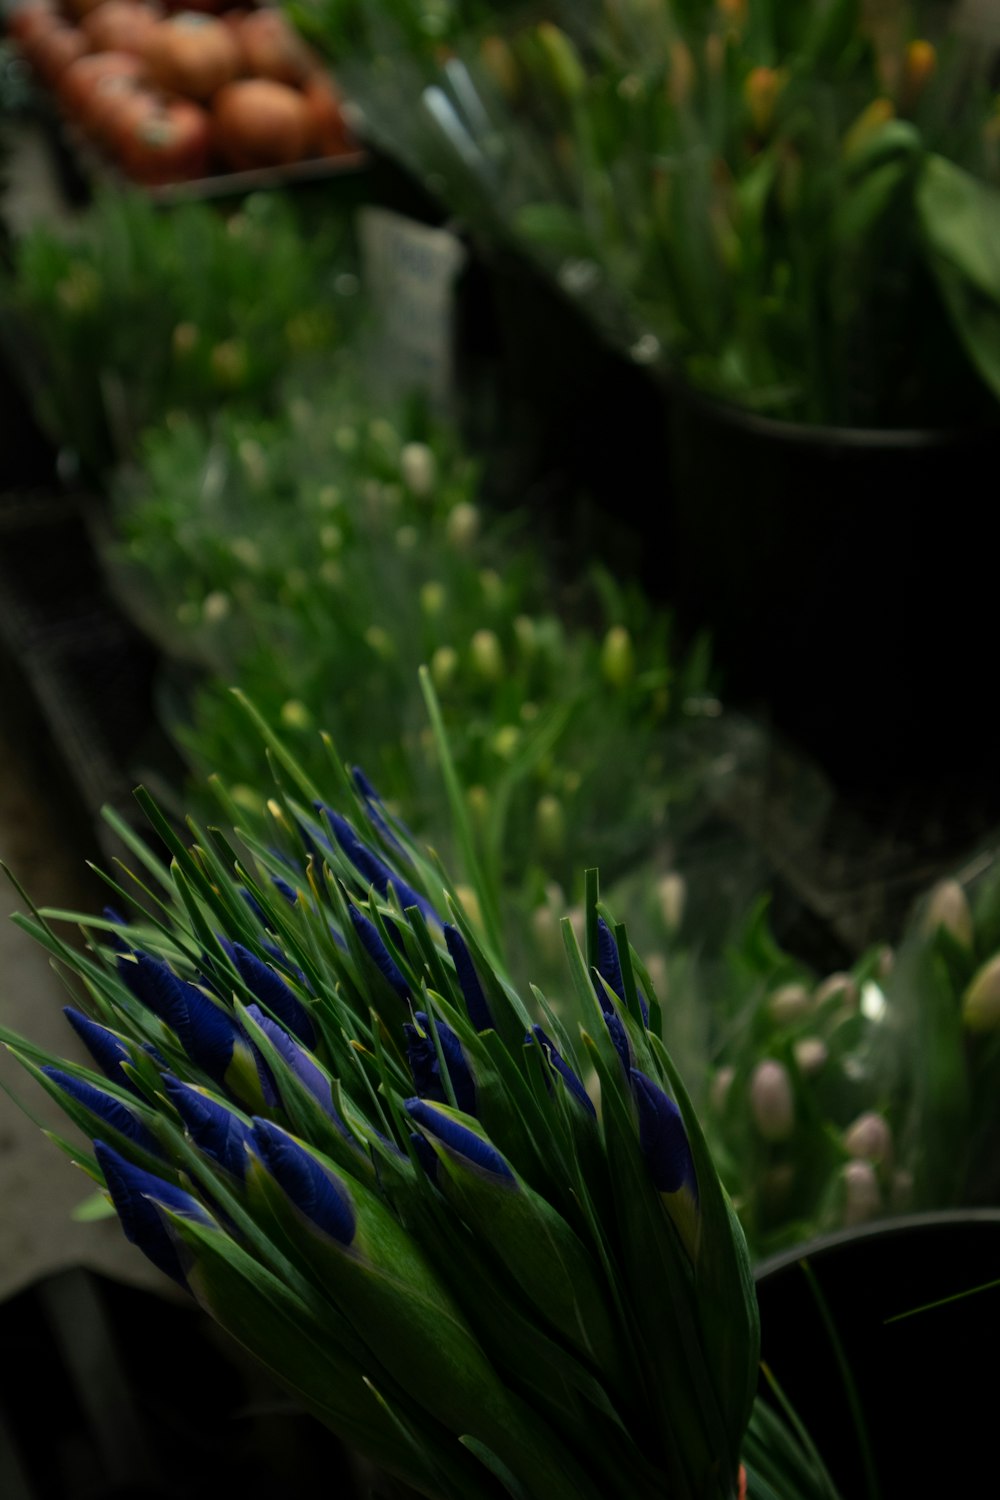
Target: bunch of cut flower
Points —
{"points": [[793, 208], [942, 1053], [321, 556], [321, 1107], [133, 313]]}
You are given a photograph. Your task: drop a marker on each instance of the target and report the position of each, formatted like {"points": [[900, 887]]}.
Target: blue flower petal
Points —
{"points": [[423, 1059], [425, 1154], [272, 990], [289, 892], [375, 948], [472, 991], [459, 1138], [111, 938], [663, 1138], [107, 1049], [206, 1032], [610, 969], [558, 1064], [135, 1194], [373, 869], [106, 1107], [214, 1129], [311, 1187], [302, 1065], [619, 1037], [373, 807]]}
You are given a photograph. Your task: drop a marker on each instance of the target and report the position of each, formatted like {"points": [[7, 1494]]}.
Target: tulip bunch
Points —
{"points": [[133, 314], [484, 1244], [321, 556], [791, 208]]}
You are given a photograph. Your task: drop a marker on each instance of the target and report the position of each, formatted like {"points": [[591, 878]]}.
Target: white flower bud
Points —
{"points": [[772, 1103], [215, 607], [869, 1139], [810, 1055], [885, 963], [948, 907], [671, 894], [837, 985], [788, 1004], [862, 1199], [721, 1084], [462, 526], [418, 467]]}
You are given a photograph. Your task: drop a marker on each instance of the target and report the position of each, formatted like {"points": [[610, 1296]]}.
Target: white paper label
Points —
{"points": [[410, 271]]}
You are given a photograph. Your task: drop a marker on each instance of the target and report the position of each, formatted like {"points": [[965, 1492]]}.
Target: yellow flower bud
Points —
{"points": [[565, 68], [876, 114], [500, 63], [295, 715], [761, 91], [506, 742], [948, 907], [618, 657], [380, 641], [433, 598], [469, 902], [919, 68], [525, 634], [216, 607], [407, 538], [681, 74], [492, 586], [247, 797], [444, 665], [230, 364], [981, 1001], [550, 825], [487, 655], [185, 338]]}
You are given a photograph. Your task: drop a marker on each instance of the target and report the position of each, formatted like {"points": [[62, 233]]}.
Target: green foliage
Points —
{"points": [[487, 1322], [133, 314]]}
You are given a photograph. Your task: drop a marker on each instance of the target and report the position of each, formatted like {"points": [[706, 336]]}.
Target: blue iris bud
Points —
{"points": [[289, 892], [135, 1194], [254, 905], [311, 1187], [663, 1138], [301, 1064], [558, 1064], [114, 941], [375, 948], [106, 1107], [472, 991], [207, 1034], [214, 1129], [373, 807], [426, 1069], [272, 990], [610, 969], [374, 870], [473, 1150], [619, 1036], [107, 1049], [425, 1154]]}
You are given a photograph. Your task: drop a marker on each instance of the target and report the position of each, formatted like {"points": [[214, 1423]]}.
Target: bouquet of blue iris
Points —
{"points": [[478, 1236]]}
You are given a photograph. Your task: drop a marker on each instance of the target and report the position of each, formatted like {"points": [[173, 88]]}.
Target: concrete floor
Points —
{"points": [[39, 1186]]}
